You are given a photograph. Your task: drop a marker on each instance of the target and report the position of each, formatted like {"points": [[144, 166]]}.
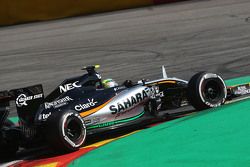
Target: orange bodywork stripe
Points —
{"points": [[167, 82], [89, 112], [161, 82]]}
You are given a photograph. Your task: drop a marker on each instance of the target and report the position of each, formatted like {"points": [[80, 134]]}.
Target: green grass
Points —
{"points": [[237, 81]]}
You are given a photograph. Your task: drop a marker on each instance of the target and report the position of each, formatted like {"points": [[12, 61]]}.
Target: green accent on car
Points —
{"points": [[14, 119], [116, 122]]}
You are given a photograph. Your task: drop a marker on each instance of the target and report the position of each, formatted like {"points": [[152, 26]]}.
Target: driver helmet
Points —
{"points": [[109, 83]]}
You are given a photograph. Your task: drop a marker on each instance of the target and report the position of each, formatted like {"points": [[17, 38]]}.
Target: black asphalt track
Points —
{"points": [[186, 37]]}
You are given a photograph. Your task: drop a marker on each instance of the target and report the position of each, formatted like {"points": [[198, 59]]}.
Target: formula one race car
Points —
{"points": [[81, 106]]}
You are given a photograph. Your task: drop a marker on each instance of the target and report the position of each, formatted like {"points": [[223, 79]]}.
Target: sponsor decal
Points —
{"points": [[155, 92], [129, 102], [96, 120], [88, 121], [22, 99], [119, 88], [44, 116], [69, 86], [90, 103], [92, 121], [242, 90], [58, 103]]}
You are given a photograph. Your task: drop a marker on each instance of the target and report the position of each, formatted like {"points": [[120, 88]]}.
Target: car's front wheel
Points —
{"points": [[206, 90]]}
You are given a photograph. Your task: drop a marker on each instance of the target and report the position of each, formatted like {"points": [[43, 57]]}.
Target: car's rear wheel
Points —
{"points": [[66, 131], [206, 90]]}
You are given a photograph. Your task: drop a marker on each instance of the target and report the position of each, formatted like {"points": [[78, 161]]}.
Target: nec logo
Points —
{"points": [[70, 86]]}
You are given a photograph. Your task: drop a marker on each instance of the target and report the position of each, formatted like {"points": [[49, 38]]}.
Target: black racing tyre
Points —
{"points": [[65, 131], [206, 90]]}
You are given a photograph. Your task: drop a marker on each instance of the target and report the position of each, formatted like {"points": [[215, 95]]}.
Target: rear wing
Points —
{"points": [[27, 102]]}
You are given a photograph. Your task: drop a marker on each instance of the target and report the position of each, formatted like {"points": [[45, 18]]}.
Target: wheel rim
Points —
{"points": [[73, 130], [212, 91]]}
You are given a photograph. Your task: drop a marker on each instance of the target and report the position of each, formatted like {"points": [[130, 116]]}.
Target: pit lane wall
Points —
{"points": [[21, 11]]}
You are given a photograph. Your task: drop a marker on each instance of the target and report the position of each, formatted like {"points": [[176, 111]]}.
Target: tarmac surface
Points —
{"points": [[186, 37]]}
